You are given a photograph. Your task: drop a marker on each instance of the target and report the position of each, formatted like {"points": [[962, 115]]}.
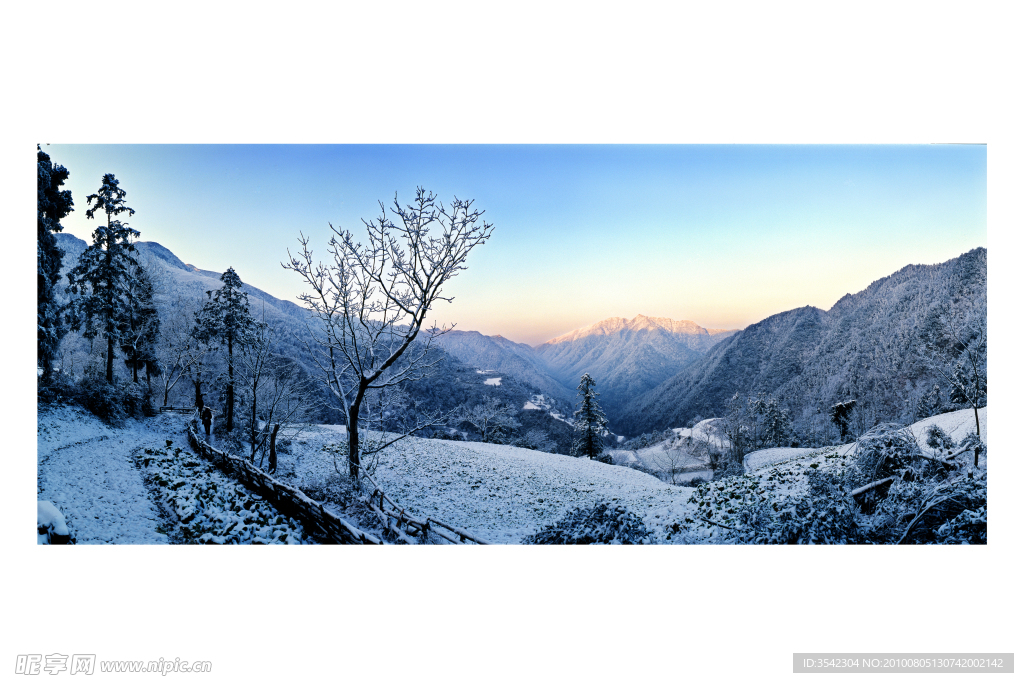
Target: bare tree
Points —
{"points": [[274, 391], [487, 417], [371, 302]]}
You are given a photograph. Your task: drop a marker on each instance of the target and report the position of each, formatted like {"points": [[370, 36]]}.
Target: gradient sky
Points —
{"points": [[724, 235]]}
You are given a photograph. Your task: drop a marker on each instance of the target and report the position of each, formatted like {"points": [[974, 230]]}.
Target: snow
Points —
{"points": [[530, 405], [493, 382], [499, 493], [92, 475], [50, 522], [86, 470], [773, 456], [957, 424]]}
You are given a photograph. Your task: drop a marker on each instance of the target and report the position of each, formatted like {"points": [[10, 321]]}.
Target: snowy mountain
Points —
{"points": [[866, 347], [627, 357]]}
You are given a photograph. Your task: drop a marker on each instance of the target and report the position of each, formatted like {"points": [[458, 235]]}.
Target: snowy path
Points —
{"points": [[86, 469]]}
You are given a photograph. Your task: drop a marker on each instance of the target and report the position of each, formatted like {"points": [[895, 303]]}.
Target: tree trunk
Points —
{"points": [[977, 424], [110, 359], [353, 442], [272, 464], [230, 408]]}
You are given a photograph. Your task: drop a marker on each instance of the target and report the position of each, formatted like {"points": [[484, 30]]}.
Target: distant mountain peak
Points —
{"points": [[640, 323]]}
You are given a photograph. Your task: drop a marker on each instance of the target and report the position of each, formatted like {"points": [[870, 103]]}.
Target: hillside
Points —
{"points": [[506, 357], [866, 347]]}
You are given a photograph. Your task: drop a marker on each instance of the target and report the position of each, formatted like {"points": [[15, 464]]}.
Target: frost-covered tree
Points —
{"points": [[100, 279], [52, 204], [589, 421], [371, 303], [275, 391], [958, 351], [177, 349], [772, 422], [490, 418], [225, 317], [142, 327], [840, 414]]}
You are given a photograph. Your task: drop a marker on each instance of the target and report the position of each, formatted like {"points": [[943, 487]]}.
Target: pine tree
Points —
{"points": [[53, 204], [103, 272], [590, 421], [226, 317]]}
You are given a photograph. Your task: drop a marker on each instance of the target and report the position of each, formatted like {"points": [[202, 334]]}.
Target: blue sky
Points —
{"points": [[723, 235]]}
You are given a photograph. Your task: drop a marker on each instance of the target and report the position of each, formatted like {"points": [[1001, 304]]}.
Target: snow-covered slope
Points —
{"points": [[500, 493]]}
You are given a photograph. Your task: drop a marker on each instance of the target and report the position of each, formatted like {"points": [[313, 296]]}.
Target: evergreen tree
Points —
{"points": [[103, 273], [226, 317], [142, 328], [590, 421], [53, 204]]}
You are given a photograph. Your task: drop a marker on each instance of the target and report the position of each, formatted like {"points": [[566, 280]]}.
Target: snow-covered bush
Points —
{"points": [[604, 523], [969, 527], [102, 399], [331, 488], [924, 511], [825, 515], [938, 438], [885, 450]]}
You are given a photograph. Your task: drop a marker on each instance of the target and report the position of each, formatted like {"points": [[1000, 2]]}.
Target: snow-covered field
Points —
{"points": [[500, 493], [86, 470]]}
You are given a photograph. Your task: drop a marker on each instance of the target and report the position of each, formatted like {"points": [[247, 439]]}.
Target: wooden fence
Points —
{"points": [[287, 499], [398, 522]]}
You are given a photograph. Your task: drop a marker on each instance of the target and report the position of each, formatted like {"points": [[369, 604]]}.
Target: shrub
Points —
{"points": [[926, 512], [603, 524], [885, 450], [102, 399], [824, 515], [59, 390], [969, 527], [938, 438]]}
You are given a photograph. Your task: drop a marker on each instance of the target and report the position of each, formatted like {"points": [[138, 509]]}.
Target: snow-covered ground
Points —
{"points": [[500, 493], [86, 469], [493, 381]]}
